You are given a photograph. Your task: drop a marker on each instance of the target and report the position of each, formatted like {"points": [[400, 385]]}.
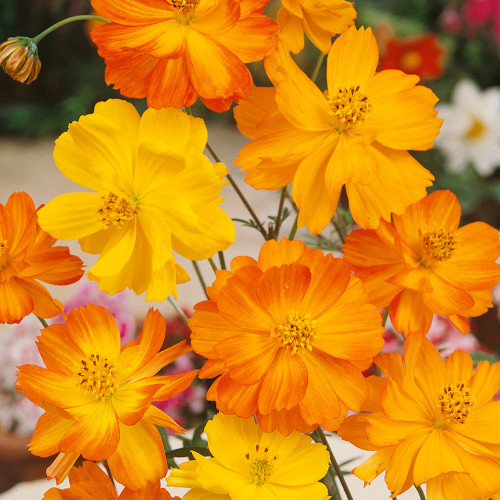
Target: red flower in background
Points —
{"points": [[421, 55]]}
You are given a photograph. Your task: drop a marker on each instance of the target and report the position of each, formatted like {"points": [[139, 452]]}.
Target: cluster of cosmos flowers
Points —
{"points": [[286, 335]]}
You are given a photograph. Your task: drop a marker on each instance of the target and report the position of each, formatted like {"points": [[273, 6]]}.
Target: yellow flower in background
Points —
{"points": [[432, 421], [319, 20], [356, 134], [154, 192], [97, 395], [248, 464]]}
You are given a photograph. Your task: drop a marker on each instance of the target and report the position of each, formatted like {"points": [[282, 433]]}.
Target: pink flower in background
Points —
{"points": [[478, 13], [87, 292]]}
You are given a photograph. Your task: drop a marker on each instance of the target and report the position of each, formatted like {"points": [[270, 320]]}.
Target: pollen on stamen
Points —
{"points": [[97, 376], [456, 402], [439, 245], [184, 10], [296, 333], [115, 210], [349, 105]]}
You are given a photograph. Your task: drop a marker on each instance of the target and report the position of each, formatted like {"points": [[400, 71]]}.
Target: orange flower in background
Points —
{"points": [[320, 20], [432, 422], [27, 254], [171, 51], [287, 336], [423, 263], [90, 482], [98, 396], [355, 134], [420, 55]]}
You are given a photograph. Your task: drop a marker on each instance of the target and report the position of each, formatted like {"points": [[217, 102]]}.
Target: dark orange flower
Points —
{"points": [[171, 51], [420, 55], [423, 263], [27, 254], [19, 59], [288, 336]]}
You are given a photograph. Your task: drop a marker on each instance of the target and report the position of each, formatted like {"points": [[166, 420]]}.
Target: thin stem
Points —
{"points": [[291, 236], [335, 464], [421, 493], [240, 194], [339, 229], [316, 69], [200, 277], [108, 470], [166, 446], [52, 28], [384, 319], [178, 310], [277, 225], [222, 260], [43, 322], [212, 264]]}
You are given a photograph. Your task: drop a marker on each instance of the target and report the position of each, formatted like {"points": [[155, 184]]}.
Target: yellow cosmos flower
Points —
{"points": [[356, 134], [154, 192], [433, 422], [248, 464], [98, 396], [320, 20]]}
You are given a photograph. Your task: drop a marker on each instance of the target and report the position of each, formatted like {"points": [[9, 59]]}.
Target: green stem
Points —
{"points": [[278, 217], [178, 310], [384, 319], [52, 28], [340, 231], [335, 464], [240, 194], [43, 322], [222, 260], [421, 493], [316, 69], [166, 446], [212, 264], [200, 277], [291, 236]]}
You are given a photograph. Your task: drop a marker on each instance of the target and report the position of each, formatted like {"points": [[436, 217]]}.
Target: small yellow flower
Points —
{"points": [[19, 59]]}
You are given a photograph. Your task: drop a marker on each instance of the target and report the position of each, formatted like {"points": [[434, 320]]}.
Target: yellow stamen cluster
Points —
{"points": [[476, 130], [3, 247], [455, 402], [349, 106], [261, 465], [297, 332], [115, 210], [184, 9], [411, 61], [97, 376], [439, 245]]}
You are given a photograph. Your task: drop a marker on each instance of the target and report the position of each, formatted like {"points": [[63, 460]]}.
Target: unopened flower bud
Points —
{"points": [[19, 59]]}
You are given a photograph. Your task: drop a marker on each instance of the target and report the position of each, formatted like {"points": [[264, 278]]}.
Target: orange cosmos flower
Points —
{"points": [[171, 51], [356, 134], [421, 55], [98, 396], [27, 254], [432, 422], [89, 482], [320, 20], [423, 263], [287, 336]]}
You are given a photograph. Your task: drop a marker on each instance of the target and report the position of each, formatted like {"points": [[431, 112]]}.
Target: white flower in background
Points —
{"points": [[471, 128]]}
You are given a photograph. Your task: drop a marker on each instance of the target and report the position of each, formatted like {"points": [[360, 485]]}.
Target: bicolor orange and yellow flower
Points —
{"points": [[248, 464], [424, 263], [356, 134], [287, 336], [171, 51], [28, 254], [97, 395], [431, 421], [319, 20], [154, 192]]}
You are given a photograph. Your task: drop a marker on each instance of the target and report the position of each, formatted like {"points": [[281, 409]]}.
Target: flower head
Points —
{"points": [[174, 50], [248, 463], [355, 134], [431, 421], [154, 191], [423, 263], [97, 395], [471, 128], [19, 59], [287, 336], [89, 482], [319, 20], [27, 255]]}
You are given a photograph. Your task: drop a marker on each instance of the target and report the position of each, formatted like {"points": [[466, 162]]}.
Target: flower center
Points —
{"points": [[439, 245], [411, 61], [97, 376], [297, 332], [261, 466], [455, 402], [349, 106], [476, 130], [184, 10], [3, 247], [115, 210]]}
